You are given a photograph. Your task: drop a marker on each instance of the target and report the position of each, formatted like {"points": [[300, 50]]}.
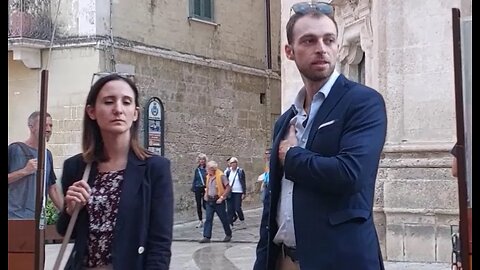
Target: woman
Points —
{"points": [[126, 207], [198, 186]]}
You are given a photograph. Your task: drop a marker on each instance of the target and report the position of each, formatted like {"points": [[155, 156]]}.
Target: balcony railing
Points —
{"points": [[29, 19]]}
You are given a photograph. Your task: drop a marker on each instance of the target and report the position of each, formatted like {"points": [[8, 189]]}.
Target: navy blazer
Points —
{"points": [[334, 186], [143, 230]]}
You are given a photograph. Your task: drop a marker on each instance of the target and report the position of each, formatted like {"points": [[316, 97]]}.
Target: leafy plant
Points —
{"points": [[51, 213]]}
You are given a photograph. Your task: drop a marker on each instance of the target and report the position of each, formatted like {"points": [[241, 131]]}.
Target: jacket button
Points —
{"points": [[141, 250]]}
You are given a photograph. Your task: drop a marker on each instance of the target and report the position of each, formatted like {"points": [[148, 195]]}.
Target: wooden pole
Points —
{"points": [[40, 193], [461, 161]]}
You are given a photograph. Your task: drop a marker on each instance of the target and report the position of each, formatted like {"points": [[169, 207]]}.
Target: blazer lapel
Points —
{"points": [[132, 181], [339, 89], [276, 169]]}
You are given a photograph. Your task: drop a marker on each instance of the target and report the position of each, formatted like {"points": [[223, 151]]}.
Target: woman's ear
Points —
{"points": [[135, 115], [91, 112]]}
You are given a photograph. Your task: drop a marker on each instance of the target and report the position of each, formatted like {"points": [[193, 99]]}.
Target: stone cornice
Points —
{"points": [[422, 211], [418, 147], [103, 42]]}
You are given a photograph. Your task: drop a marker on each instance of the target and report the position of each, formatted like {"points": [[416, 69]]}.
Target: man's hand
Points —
{"points": [[31, 166], [290, 141], [220, 200]]}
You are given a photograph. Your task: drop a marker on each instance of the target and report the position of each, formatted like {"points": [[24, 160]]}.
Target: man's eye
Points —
{"points": [[329, 40]]}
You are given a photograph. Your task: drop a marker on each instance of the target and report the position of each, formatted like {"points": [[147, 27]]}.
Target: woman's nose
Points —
{"points": [[118, 108]]}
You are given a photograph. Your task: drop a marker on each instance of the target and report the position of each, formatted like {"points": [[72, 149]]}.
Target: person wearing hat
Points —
{"points": [[236, 179]]}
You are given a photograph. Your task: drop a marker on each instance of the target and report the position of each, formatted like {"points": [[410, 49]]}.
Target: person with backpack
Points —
{"points": [[22, 172]]}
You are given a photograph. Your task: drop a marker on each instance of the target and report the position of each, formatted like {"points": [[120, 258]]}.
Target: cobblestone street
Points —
{"points": [[239, 254]]}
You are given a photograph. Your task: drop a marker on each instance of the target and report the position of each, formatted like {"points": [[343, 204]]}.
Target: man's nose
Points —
{"points": [[320, 48]]}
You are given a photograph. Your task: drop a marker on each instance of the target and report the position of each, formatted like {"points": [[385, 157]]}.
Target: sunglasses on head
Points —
{"points": [[305, 7], [124, 75]]}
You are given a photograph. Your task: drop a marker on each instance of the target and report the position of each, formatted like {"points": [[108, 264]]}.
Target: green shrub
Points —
{"points": [[51, 213]]}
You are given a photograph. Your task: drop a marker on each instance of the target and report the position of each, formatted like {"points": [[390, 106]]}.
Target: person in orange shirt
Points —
{"points": [[216, 192]]}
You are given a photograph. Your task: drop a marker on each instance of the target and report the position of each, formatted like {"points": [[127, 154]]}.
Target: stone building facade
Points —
{"points": [[219, 81], [216, 71], [404, 50]]}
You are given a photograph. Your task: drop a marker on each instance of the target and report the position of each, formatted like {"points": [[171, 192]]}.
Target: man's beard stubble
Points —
{"points": [[315, 76]]}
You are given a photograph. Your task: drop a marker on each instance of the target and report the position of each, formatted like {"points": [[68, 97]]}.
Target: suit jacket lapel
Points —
{"points": [[132, 181], [275, 167], [339, 89]]}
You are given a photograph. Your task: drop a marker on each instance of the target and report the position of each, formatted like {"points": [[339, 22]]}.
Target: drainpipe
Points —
{"points": [[269, 34]]}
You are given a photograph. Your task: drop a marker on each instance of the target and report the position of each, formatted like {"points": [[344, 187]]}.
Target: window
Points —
{"points": [[201, 9]]}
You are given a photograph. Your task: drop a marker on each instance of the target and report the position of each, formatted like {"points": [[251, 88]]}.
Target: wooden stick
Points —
{"points": [[71, 224]]}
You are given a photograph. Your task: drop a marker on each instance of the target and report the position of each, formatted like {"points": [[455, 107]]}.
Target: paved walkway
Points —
{"points": [[239, 254]]}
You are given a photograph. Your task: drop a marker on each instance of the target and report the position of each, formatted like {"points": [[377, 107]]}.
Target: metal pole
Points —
{"points": [[40, 195], [461, 162], [269, 34]]}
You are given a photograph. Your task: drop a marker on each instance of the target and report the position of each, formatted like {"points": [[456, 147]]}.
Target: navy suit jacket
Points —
{"points": [[334, 186], [143, 231]]}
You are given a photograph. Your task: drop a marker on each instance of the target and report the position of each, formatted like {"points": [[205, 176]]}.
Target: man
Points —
{"points": [[325, 154], [22, 168], [198, 186], [216, 192]]}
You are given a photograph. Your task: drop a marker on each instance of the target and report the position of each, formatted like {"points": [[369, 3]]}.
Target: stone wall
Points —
{"points": [[210, 106], [418, 198], [212, 78], [213, 110], [237, 34]]}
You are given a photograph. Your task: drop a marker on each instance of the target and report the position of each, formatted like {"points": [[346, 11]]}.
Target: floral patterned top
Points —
{"points": [[102, 209]]}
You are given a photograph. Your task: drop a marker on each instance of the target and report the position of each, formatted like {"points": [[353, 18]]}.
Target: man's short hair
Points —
{"points": [[212, 164], [295, 17], [33, 117]]}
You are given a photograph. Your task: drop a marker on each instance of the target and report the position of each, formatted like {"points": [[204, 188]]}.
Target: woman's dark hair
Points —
{"points": [[92, 141]]}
